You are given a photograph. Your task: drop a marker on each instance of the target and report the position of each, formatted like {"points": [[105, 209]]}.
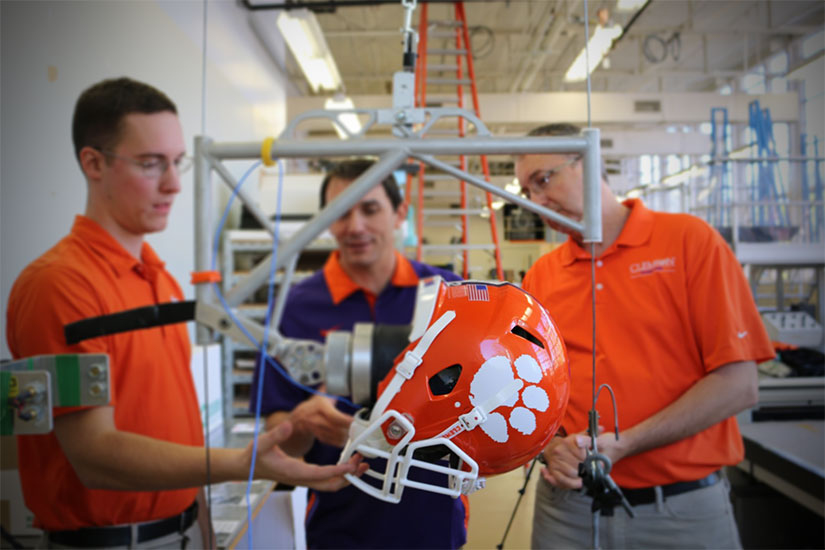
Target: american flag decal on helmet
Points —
{"points": [[478, 293]]}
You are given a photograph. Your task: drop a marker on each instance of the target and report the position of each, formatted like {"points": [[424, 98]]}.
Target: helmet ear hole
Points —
{"points": [[521, 331], [445, 380]]}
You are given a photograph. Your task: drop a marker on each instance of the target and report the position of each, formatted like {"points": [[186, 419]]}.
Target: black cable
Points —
{"points": [[633, 19], [630, 23], [208, 503], [654, 49], [675, 44], [487, 46]]}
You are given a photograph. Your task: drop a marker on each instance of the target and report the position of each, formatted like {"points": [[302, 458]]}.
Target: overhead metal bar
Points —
{"points": [[337, 148], [389, 161], [498, 191], [394, 152]]}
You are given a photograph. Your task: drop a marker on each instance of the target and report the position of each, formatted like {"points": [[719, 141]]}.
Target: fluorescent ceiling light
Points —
{"points": [[303, 35], [349, 120], [683, 177], [597, 47], [513, 186], [629, 5]]}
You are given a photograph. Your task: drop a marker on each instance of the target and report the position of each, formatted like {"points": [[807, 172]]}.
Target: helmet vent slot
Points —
{"points": [[445, 380], [519, 331]]}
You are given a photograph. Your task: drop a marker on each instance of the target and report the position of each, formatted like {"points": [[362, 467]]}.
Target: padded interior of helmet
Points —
{"points": [[431, 454], [520, 331], [445, 380]]}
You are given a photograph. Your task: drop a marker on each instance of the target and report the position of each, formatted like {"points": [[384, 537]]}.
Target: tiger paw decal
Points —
{"points": [[498, 372]]}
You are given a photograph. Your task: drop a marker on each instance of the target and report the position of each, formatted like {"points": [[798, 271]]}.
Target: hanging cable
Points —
{"points": [[593, 425], [207, 443], [656, 49], [261, 345], [203, 69], [595, 470], [486, 47], [262, 350], [228, 309], [593, 466]]}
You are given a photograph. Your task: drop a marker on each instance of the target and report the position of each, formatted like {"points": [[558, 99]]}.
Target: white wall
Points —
{"points": [[52, 51]]}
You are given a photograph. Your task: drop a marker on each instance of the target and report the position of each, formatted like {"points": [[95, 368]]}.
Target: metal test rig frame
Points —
{"points": [[304, 359]]}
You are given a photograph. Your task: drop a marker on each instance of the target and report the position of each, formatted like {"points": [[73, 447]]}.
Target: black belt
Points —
{"points": [[647, 495], [121, 535]]}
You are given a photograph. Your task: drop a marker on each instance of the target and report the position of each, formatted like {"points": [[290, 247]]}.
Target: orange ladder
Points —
{"points": [[457, 31]]}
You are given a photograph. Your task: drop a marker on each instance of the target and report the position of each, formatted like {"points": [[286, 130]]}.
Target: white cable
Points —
{"points": [[207, 445], [203, 70], [587, 58]]}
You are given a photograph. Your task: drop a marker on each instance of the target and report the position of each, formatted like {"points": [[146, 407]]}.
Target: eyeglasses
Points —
{"points": [[539, 183], [154, 166]]}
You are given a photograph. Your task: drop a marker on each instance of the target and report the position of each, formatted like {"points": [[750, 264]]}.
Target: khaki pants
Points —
{"points": [[702, 518]]}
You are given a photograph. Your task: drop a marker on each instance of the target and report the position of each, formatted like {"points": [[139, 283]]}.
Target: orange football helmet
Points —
{"points": [[485, 382]]}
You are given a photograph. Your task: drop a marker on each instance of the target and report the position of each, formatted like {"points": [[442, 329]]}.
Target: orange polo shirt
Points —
{"points": [[672, 304], [341, 286], [87, 274]]}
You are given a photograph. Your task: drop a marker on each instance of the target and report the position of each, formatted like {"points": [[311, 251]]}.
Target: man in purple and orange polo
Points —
{"points": [[365, 280]]}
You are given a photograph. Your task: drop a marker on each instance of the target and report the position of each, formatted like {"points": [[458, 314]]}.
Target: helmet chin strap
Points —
{"points": [[403, 372], [406, 368], [479, 414]]}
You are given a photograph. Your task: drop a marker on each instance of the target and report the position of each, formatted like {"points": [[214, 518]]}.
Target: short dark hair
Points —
{"points": [[100, 109], [562, 129], [555, 129], [352, 168]]}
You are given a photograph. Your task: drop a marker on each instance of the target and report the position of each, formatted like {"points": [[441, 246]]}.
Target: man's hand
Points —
{"points": [[563, 455], [610, 447], [319, 417], [273, 463], [720, 394]]}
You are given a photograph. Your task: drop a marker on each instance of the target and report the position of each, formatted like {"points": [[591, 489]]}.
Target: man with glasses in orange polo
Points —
{"points": [[126, 474], [677, 337]]}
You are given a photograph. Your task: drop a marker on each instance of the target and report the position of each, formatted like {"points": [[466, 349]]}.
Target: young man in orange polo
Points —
{"points": [[365, 281], [127, 474], [678, 337]]}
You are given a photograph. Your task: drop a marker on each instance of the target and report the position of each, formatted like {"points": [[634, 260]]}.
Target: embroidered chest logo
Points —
{"points": [[649, 267], [496, 373]]}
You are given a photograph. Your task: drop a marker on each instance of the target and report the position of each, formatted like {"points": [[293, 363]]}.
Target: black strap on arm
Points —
{"points": [[130, 319]]}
